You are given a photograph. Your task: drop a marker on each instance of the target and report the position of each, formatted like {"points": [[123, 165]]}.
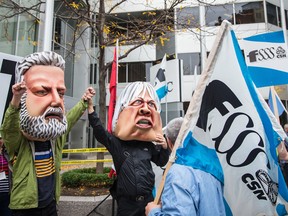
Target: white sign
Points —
{"points": [[5, 80]]}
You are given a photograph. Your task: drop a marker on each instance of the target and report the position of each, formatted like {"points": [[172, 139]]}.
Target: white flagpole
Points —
{"points": [[283, 21], [192, 109], [166, 107], [117, 50]]}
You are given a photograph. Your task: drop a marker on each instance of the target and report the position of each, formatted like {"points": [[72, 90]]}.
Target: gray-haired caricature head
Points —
{"points": [[39, 127], [130, 92], [38, 58]]}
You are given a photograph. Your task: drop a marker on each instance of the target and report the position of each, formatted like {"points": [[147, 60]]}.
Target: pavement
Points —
{"points": [[86, 205]]}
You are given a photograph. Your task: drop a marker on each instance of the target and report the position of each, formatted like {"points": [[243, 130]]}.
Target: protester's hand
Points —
{"points": [[87, 96], [282, 152], [160, 140], [18, 89], [150, 206]]}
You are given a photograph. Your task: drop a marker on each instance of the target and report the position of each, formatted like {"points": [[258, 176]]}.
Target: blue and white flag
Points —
{"points": [[267, 58], [278, 103], [160, 80], [230, 132]]}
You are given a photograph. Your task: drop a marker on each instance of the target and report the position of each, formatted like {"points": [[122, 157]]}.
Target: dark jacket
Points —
{"points": [[132, 160]]}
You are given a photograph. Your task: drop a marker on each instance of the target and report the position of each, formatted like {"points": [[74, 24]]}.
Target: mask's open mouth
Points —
{"points": [[54, 114], [144, 123]]}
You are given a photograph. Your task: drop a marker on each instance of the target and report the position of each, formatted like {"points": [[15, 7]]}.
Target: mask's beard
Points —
{"points": [[40, 128]]}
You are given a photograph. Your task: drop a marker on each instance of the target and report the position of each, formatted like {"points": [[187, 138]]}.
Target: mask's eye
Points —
{"points": [[137, 102], [61, 94], [152, 104], [41, 93]]}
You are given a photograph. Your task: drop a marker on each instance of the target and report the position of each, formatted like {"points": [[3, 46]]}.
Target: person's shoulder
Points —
{"points": [[179, 170]]}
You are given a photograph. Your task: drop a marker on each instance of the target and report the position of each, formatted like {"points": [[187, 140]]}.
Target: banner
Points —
{"points": [[233, 135], [267, 59], [160, 80], [5, 80]]}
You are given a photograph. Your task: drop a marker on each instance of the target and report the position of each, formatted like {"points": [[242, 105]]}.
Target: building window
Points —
{"points": [[252, 12], [188, 17], [272, 14], [217, 13], [93, 37], [133, 71], [191, 61], [286, 18], [93, 74], [57, 34]]}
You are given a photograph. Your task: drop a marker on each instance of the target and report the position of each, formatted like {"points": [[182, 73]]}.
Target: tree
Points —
{"points": [[135, 29]]}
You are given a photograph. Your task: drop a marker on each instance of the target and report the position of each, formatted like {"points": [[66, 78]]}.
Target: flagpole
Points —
{"points": [[192, 109], [166, 107], [117, 50], [283, 21]]}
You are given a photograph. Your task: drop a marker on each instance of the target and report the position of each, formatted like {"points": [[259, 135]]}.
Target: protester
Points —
{"points": [[286, 130], [34, 130], [136, 123], [187, 190], [169, 130], [4, 181], [283, 157]]}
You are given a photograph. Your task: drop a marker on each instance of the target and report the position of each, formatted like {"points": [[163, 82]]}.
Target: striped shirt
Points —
{"points": [[4, 183], [45, 171]]}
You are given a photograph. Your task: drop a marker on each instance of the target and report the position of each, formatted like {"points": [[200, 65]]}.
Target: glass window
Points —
{"points": [[136, 72], [187, 17], [271, 13], [57, 34], [217, 13], [252, 12], [133, 71], [93, 74], [286, 18], [122, 73], [93, 33], [190, 61]]}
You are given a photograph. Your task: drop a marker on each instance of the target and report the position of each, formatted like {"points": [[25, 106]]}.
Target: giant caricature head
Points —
{"points": [[137, 113], [42, 114]]}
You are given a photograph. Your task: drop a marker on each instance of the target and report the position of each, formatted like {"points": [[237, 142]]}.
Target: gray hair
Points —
{"points": [[39, 58], [130, 92], [173, 128]]}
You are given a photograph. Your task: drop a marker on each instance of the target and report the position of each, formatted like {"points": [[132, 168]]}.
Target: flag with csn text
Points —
{"points": [[267, 58], [233, 135], [160, 84], [113, 90]]}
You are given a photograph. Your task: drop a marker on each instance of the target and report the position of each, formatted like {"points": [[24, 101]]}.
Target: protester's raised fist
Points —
{"points": [[19, 88]]}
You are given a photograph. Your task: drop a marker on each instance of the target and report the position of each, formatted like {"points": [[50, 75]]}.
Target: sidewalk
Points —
{"points": [[82, 206]]}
